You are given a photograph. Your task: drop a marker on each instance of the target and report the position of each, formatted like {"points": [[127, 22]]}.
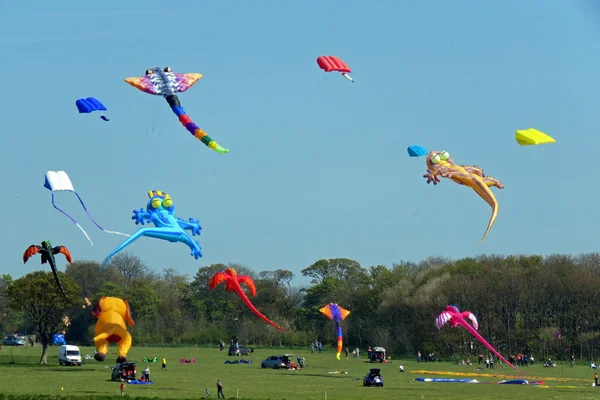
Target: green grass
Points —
{"points": [[188, 381]]}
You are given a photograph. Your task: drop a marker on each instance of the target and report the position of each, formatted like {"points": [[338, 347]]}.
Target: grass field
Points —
{"points": [[20, 374]]}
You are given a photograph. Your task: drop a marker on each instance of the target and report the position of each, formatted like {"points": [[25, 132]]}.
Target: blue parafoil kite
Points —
{"points": [[86, 106], [417, 151]]}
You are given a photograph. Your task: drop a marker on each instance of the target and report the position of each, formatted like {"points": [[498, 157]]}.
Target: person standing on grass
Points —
{"points": [[347, 353], [220, 389], [122, 387], [595, 379], [164, 364]]}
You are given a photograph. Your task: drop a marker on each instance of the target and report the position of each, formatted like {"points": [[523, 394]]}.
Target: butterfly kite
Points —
{"points": [[164, 82], [47, 252], [58, 181], [337, 314], [233, 283], [456, 318]]}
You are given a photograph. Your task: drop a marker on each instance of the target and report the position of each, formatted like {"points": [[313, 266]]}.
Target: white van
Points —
{"points": [[69, 355]]}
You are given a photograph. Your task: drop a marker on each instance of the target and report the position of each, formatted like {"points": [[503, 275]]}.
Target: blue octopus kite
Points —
{"points": [[161, 212]]}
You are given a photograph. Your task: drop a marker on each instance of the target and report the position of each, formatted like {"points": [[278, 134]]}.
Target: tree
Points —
{"points": [[38, 297], [130, 266]]}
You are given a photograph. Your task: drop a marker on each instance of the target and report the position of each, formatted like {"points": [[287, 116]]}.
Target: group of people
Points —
{"points": [[316, 346], [429, 358], [521, 360]]}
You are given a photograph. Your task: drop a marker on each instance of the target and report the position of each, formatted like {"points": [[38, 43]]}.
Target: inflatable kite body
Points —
{"points": [[332, 63], [337, 314], [112, 313], [58, 181], [47, 252], [86, 106], [439, 164], [416, 151], [161, 211], [531, 136], [164, 82], [233, 283], [453, 316]]}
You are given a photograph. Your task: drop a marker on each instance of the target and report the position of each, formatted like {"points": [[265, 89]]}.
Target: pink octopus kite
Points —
{"points": [[456, 318]]}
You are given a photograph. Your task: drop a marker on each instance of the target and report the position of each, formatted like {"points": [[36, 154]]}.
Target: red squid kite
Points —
{"points": [[233, 283]]}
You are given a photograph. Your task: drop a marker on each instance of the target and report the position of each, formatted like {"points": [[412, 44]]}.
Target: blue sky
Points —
{"points": [[317, 165]]}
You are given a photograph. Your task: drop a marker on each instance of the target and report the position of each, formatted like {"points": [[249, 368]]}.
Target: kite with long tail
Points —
{"points": [[58, 181], [47, 252], [453, 316], [337, 314], [233, 283], [164, 82]]}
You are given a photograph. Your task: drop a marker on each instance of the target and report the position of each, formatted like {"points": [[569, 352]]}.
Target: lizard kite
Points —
{"points": [[439, 164], [161, 211], [233, 283], [164, 82], [48, 252]]}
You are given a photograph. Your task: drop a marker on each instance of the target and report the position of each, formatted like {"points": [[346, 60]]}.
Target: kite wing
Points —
{"points": [[531, 136], [216, 279], [442, 319], [31, 251], [63, 250], [417, 151], [59, 181], [326, 311], [249, 282], [165, 83], [89, 105], [469, 315], [332, 63]]}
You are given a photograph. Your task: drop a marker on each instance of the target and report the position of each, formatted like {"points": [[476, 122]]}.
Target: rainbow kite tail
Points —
{"points": [[194, 129], [339, 346]]}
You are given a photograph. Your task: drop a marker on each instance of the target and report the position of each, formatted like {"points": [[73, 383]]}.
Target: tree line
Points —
{"points": [[545, 306]]}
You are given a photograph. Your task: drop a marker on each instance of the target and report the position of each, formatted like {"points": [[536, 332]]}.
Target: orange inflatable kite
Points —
{"points": [[112, 314]]}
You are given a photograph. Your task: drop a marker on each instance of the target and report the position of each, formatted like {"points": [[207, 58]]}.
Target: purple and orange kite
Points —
{"points": [[337, 314]]}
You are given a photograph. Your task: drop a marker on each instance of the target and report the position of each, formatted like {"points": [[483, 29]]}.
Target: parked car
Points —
{"points": [[239, 350], [13, 341], [373, 378], [69, 355], [378, 355], [124, 370], [276, 362]]}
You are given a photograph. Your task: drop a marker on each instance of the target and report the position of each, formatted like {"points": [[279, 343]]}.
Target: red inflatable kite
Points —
{"points": [[233, 283], [331, 63]]}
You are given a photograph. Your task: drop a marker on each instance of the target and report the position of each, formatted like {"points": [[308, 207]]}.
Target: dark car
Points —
{"points": [[125, 371], [239, 350], [13, 341], [373, 378]]}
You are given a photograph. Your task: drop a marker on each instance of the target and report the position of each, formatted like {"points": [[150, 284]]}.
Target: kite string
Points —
{"points": [[95, 223], [72, 219]]}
